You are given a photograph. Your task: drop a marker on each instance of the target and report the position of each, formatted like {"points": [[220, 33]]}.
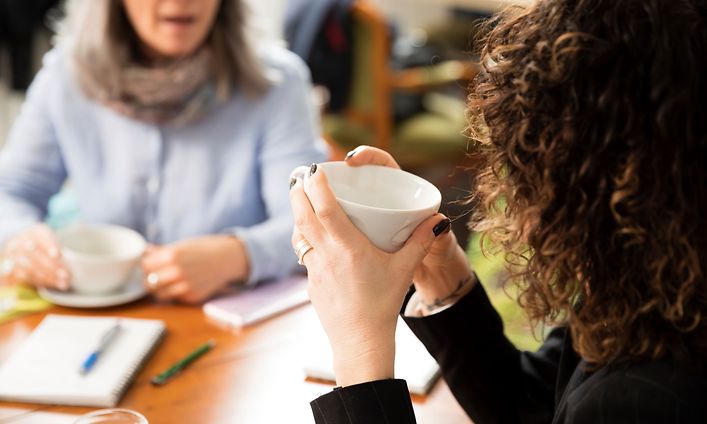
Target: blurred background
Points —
{"points": [[388, 73]]}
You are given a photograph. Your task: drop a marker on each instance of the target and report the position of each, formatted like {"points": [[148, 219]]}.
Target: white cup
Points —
{"points": [[385, 204], [100, 257]]}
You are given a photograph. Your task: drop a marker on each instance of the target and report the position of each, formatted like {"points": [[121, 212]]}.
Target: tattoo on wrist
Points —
{"points": [[451, 297]]}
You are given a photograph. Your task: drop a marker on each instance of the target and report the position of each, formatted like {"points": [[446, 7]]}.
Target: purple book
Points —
{"points": [[248, 305]]}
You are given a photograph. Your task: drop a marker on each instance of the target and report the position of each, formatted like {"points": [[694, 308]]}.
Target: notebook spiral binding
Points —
{"points": [[135, 369]]}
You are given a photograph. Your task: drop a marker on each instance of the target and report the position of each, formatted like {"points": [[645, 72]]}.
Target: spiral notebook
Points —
{"points": [[46, 368], [413, 363]]}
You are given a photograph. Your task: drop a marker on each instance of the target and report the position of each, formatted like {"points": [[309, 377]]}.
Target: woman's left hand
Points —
{"points": [[193, 270], [356, 289]]}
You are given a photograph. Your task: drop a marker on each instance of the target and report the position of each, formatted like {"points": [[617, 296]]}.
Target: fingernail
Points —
{"points": [[293, 181], [350, 154], [312, 169], [63, 284], [53, 252], [442, 227], [62, 275]]}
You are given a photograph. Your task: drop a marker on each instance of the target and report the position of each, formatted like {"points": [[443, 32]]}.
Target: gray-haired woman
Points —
{"points": [[168, 121]]}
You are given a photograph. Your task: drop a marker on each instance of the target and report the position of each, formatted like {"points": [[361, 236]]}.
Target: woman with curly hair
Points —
{"points": [[591, 127]]}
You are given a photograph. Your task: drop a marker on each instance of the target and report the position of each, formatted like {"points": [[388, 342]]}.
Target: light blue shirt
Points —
{"points": [[227, 173]]}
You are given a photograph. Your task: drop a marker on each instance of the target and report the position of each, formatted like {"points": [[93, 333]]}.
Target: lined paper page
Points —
{"points": [[412, 361], [46, 367]]}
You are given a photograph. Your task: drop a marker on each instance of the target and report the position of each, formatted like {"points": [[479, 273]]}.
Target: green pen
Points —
{"points": [[163, 377]]}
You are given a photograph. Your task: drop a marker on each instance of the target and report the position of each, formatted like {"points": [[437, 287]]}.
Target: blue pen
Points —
{"points": [[105, 341]]}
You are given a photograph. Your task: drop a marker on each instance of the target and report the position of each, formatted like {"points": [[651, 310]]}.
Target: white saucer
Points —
{"points": [[134, 290]]}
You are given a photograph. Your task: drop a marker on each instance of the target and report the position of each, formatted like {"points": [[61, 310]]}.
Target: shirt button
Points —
{"points": [[153, 184]]}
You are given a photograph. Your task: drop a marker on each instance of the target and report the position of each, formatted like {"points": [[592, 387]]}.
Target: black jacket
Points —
{"points": [[496, 383]]}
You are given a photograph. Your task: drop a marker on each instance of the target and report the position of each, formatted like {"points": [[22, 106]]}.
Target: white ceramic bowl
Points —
{"points": [[100, 257]]}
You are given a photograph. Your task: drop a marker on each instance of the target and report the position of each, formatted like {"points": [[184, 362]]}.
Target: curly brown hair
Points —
{"points": [[591, 123]]}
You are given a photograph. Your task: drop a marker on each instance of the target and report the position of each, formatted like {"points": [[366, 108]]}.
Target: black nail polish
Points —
{"points": [[442, 227], [312, 169], [350, 154], [293, 181]]}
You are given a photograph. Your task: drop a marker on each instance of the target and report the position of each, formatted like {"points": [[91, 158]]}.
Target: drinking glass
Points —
{"points": [[112, 416]]}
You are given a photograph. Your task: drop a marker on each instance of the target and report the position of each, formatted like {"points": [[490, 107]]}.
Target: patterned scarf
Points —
{"points": [[174, 94]]}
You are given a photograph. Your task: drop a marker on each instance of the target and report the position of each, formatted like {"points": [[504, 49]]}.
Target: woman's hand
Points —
{"points": [[193, 270], [444, 275], [33, 257], [356, 289]]}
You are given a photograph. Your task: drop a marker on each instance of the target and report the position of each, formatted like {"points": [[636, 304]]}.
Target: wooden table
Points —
{"points": [[252, 376]]}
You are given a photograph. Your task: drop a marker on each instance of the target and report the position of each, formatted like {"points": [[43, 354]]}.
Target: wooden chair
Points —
{"points": [[430, 144], [425, 138]]}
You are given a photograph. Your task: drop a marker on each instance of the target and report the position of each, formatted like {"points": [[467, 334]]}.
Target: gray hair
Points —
{"points": [[100, 38]]}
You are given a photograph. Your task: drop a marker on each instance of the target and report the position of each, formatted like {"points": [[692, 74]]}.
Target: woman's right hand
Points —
{"points": [[445, 274], [33, 257]]}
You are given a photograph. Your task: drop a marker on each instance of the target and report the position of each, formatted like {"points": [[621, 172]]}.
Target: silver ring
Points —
{"points": [[7, 266], [29, 245], [21, 260], [153, 279], [301, 249]]}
